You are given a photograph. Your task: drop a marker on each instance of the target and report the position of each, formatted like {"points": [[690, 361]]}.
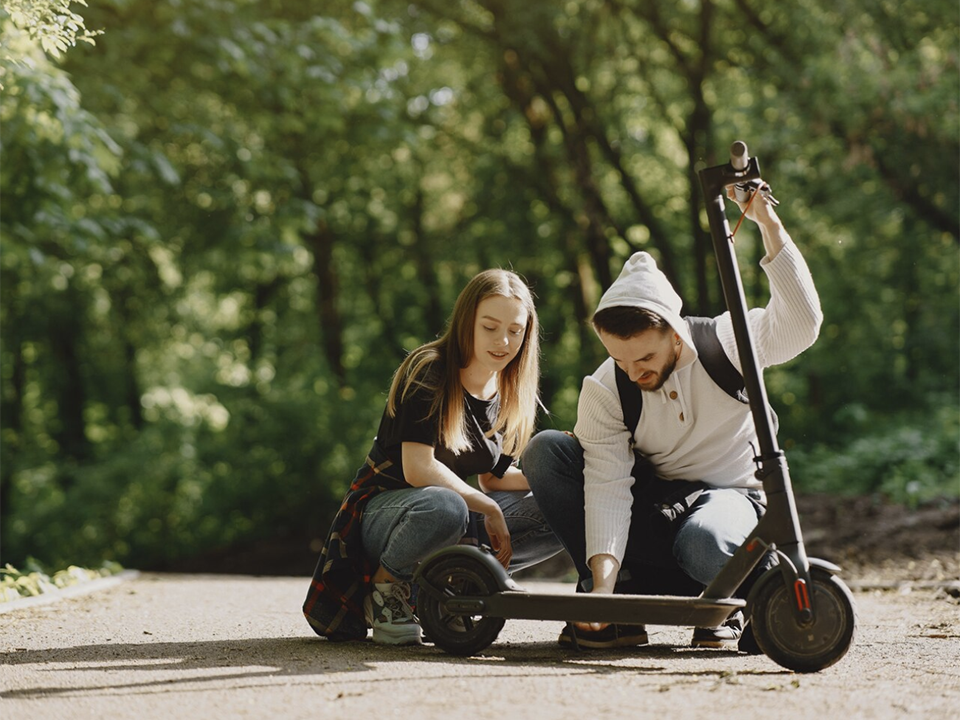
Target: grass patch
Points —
{"points": [[33, 580]]}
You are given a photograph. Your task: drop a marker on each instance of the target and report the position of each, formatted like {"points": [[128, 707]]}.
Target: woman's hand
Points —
{"points": [[421, 468], [496, 527]]}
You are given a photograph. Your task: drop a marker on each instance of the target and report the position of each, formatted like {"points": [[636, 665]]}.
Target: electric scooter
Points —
{"points": [[803, 616]]}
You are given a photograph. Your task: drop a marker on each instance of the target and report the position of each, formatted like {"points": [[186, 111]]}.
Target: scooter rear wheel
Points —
{"points": [[458, 576], [803, 648]]}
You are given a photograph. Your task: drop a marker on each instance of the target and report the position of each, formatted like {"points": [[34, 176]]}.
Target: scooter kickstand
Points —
{"points": [[573, 636]]}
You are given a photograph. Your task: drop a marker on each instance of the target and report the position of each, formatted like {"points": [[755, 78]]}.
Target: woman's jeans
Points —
{"points": [[400, 528], [705, 537]]}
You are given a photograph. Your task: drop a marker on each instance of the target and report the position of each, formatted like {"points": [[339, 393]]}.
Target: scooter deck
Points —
{"points": [[626, 609]]}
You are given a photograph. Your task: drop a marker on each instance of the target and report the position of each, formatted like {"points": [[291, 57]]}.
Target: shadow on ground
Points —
{"points": [[246, 663]]}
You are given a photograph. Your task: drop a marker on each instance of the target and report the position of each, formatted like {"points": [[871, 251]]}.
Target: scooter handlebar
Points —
{"points": [[739, 158]]}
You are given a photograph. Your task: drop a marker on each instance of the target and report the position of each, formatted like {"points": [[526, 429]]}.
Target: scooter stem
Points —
{"points": [[714, 182], [772, 471]]}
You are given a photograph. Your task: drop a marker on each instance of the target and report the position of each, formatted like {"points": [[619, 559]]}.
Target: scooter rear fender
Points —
{"points": [[469, 553]]}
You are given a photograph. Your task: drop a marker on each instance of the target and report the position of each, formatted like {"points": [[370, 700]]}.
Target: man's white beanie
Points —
{"points": [[642, 285]]}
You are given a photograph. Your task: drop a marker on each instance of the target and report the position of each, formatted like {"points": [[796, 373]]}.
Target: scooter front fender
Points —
{"points": [[786, 573]]}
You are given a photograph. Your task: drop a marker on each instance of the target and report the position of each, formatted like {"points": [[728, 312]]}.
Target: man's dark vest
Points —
{"points": [[715, 362]]}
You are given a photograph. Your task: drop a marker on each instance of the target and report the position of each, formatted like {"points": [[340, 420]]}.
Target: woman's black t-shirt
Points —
{"points": [[411, 424]]}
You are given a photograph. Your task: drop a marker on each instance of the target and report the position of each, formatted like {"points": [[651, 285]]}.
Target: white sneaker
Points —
{"points": [[388, 611]]}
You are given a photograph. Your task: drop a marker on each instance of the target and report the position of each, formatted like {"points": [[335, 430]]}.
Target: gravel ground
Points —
{"points": [[217, 646]]}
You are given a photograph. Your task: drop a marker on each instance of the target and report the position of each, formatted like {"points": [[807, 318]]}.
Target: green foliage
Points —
{"points": [[192, 481], [34, 580], [50, 22], [225, 224], [907, 460]]}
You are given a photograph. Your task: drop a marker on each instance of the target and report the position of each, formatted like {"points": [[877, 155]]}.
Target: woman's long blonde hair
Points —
{"points": [[436, 367]]}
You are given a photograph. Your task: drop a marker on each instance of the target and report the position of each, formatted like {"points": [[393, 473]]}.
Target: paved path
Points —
{"points": [[182, 646]]}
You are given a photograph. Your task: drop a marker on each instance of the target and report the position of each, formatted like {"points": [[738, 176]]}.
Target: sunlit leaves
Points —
{"points": [[51, 23]]}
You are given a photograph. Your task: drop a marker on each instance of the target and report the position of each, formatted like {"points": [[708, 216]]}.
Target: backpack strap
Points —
{"points": [[714, 359], [631, 401], [715, 362]]}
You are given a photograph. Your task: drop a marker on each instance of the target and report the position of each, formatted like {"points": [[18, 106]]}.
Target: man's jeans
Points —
{"points": [[706, 537], [400, 528]]}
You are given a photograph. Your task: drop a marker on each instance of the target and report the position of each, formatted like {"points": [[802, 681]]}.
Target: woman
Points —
{"points": [[462, 405]]}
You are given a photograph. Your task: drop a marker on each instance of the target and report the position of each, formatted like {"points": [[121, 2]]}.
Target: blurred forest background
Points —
{"points": [[225, 223]]}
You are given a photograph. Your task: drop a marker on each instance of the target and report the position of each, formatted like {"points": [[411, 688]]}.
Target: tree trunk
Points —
{"points": [[544, 177], [699, 143], [130, 386], [697, 140], [426, 271], [68, 386], [11, 411], [912, 343], [331, 329], [263, 295]]}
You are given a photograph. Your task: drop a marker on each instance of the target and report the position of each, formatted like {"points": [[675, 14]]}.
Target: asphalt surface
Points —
{"points": [[192, 646]]}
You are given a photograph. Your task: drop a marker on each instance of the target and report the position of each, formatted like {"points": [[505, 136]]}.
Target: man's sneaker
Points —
{"points": [[388, 611], [727, 636], [612, 636]]}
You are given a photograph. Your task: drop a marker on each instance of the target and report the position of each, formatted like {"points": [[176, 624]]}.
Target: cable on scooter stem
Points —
{"points": [[739, 159], [744, 213]]}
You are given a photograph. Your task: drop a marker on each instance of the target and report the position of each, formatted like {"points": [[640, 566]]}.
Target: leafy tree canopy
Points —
{"points": [[226, 223]]}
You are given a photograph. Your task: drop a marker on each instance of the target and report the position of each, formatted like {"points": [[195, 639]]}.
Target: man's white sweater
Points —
{"points": [[690, 428]]}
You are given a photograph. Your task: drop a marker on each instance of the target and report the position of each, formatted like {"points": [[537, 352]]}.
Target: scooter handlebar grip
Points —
{"points": [[738, 155]]}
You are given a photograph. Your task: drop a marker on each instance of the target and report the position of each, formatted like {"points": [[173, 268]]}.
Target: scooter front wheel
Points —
{"points": [[458, 576], [803, 647]]}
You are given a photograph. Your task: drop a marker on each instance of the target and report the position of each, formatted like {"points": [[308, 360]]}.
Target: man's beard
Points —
{"points": [[663, 374]]}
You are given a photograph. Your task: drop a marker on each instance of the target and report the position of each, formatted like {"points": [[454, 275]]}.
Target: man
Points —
{"points": [[593, 488]]}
